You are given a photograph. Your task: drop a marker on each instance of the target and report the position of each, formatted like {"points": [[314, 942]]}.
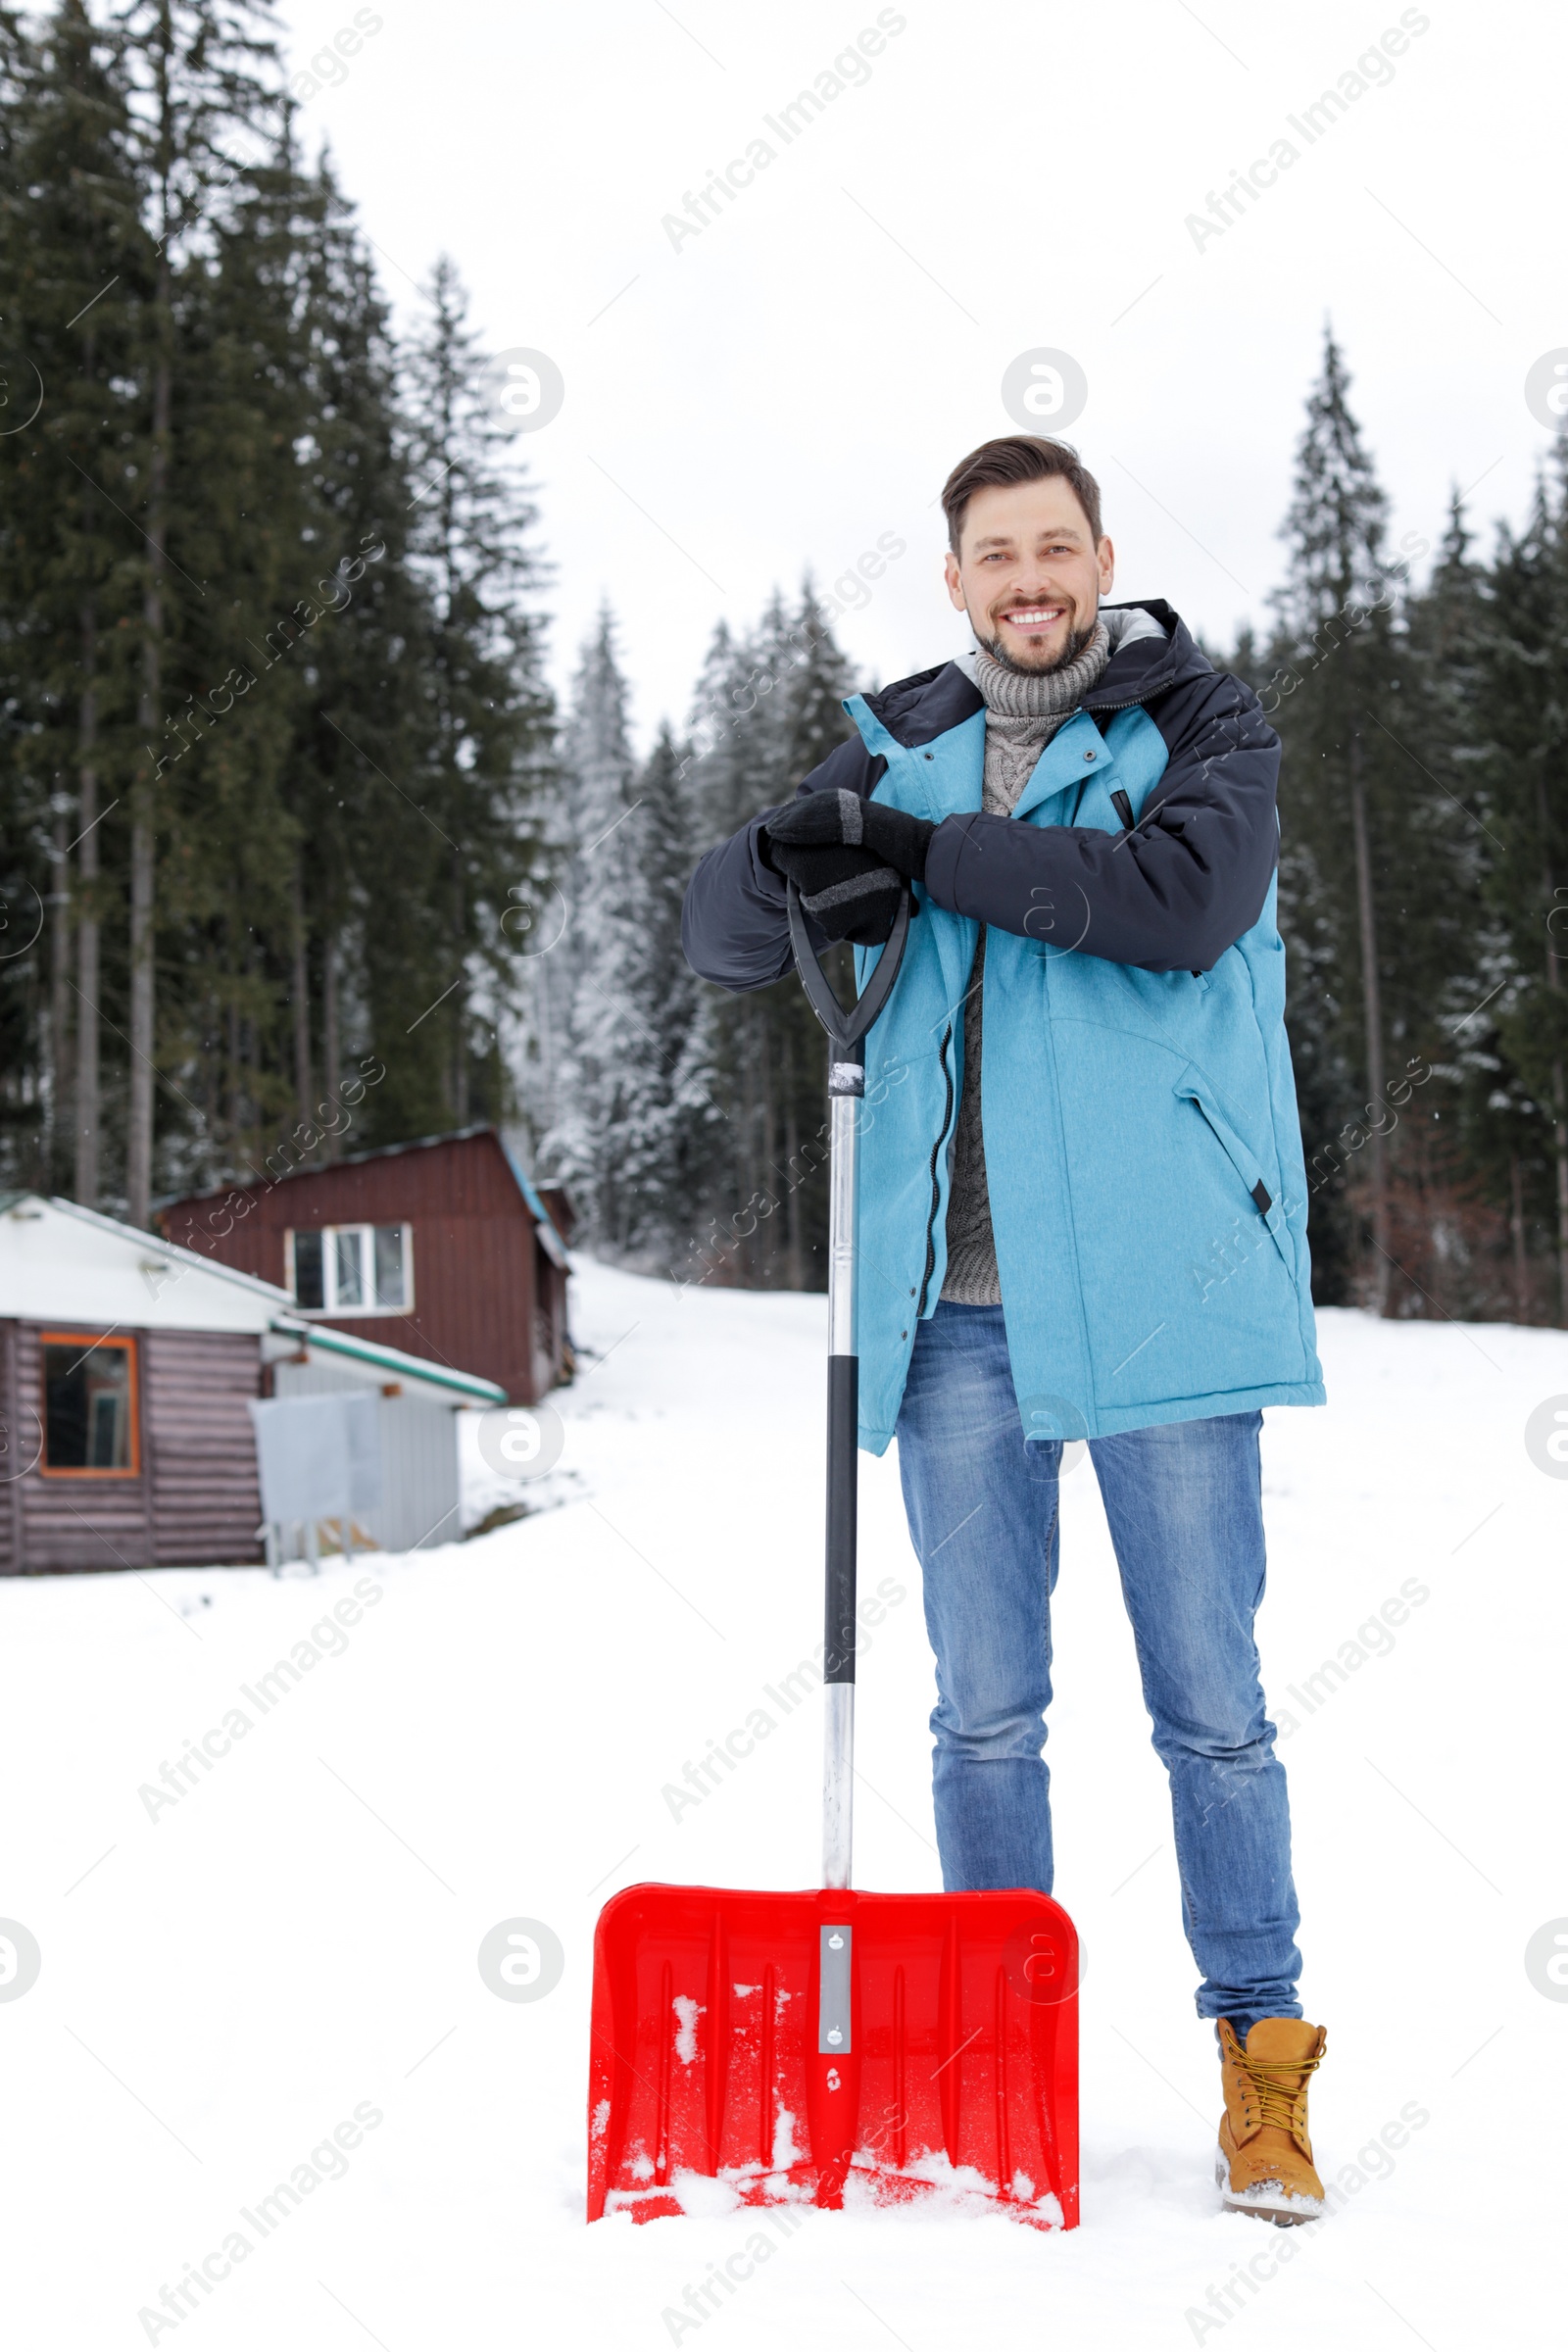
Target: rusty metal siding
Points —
{"points": [[476, 1262], [205, 1497]]}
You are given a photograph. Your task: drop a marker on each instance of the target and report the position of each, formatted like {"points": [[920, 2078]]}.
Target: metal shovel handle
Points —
{"points": [[845, 1028]]}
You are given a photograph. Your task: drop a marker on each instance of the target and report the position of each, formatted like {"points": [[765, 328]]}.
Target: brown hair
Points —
{"points": [[1018, 457]]}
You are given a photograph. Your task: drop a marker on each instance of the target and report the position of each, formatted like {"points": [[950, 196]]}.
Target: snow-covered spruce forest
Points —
{"points": [[291, 819]]}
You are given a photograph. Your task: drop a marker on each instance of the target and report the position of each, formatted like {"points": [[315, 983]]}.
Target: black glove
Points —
{"points": [[842, 820], [848, 894]]}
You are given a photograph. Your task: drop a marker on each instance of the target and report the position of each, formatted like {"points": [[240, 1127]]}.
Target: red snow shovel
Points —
{"points": [[827, 2048]]}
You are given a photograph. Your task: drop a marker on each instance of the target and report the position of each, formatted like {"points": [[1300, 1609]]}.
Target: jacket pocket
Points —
{"points": [[1192, 1087]]}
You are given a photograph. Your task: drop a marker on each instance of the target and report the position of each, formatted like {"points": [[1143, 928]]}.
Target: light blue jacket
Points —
{"points": [[1142, 1151], [1130, 1119]]}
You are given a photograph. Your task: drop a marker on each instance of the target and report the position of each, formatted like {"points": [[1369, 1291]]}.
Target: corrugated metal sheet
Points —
{"points": [[419, 1503], [486, 1298]]}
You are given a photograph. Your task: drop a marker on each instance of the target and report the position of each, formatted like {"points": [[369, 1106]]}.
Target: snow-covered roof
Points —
{"points": [[378, 1364], [62, 1263], [549, 1241]]}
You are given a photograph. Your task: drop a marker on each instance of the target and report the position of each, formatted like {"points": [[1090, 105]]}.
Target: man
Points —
{"points": [[1082, 1203]]}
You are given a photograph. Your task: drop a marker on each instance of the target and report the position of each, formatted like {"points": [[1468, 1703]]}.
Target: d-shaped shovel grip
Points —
{"points": [[847, 1026]]}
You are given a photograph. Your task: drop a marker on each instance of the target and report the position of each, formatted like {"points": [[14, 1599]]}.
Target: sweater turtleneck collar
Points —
{"points": [[1017, 694]]}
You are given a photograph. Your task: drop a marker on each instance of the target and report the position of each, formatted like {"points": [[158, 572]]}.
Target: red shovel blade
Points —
{"points": [[833, 2049]]}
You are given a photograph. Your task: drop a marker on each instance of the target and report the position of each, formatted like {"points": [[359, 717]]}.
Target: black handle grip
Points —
{"points": [[847, 1025], [842, 1439]]}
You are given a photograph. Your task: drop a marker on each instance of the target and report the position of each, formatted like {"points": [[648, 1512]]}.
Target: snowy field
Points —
{"points": [[274, 1976]]}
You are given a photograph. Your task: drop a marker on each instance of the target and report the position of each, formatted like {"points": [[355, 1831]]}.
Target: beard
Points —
{"points": [[1077, 640]]}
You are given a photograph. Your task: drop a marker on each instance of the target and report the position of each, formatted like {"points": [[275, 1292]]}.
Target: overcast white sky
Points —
{"points": [[797, 379]]}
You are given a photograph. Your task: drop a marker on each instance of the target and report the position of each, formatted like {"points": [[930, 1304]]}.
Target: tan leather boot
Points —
{"points": [[1265, 2164]]}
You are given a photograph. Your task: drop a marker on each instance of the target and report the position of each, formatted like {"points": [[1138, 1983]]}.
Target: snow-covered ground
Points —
{"points": [[274, 1976]]}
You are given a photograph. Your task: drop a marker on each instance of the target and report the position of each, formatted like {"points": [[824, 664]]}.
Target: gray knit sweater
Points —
{"points": [[1023, 711]]}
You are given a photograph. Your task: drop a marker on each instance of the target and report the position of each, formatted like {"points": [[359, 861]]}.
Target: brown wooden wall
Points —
{"points": [[486, 1299], [195, 1501]]}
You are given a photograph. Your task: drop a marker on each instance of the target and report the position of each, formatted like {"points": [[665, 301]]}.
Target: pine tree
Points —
{"points": [[601, 886], [489, 713], [1522, 730], [239, 680], [689, 1122], [1462, 1177], [1366, 859], [770, 710], [76, 274], [203, 90], [668, 1114], [363, 734]]}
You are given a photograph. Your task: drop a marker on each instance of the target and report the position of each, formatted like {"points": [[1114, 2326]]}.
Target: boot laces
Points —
{"points": [[1277, 2086]]}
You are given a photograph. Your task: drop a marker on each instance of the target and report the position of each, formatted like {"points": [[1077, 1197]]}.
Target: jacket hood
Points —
{"points": [[917, 710]]}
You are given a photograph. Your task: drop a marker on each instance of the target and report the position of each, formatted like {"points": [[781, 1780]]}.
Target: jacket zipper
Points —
{"points": [[1109, 708], [936, 1189]]}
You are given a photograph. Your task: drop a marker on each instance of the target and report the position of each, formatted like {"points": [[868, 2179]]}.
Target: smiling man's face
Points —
{"points": [[1029, 574]]}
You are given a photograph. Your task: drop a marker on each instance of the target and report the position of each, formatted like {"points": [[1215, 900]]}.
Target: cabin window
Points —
{"points": [[89, 1416], [351, 1269]]}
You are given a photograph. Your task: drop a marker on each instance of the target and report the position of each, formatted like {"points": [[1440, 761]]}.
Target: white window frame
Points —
{"points": [[331, 1312]]}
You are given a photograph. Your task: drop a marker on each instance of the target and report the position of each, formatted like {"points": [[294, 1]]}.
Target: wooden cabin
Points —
{"points": [[442, 1248], [128, 1368]]}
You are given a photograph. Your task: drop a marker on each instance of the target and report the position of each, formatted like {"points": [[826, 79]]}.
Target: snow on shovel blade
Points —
{"points": [[834, 2048]]}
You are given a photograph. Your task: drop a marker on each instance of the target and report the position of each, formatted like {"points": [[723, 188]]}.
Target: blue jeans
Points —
{"points": [[1185, 1507]]}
